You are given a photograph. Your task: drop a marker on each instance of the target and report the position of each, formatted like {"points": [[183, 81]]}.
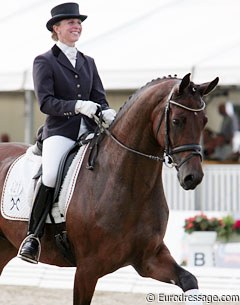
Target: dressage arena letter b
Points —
{"points": [[199, 259]]}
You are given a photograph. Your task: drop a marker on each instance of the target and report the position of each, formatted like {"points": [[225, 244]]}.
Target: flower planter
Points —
{"points": [[201, 248], [234, 238]]}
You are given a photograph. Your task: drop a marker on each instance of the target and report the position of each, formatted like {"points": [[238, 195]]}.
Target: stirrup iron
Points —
{"points": [[26, 254]]}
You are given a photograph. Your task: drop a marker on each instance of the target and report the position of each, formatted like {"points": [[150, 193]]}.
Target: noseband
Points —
{"points": [[168, 159]]}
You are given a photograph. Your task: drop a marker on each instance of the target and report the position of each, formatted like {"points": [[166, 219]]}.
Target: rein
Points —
{"points": [[167, 158], [104, 129]]}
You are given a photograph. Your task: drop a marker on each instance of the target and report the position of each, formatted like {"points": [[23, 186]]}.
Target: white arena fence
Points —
{"points": [[219, 190]]}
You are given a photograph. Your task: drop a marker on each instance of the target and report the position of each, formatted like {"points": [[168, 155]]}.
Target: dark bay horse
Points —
{"points": [[118, 213]]}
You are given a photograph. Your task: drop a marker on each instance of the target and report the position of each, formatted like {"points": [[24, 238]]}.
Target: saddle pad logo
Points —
{"points": [[15, 191]]}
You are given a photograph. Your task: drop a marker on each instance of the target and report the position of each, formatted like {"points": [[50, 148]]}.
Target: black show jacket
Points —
{"points": [[58, 86]]}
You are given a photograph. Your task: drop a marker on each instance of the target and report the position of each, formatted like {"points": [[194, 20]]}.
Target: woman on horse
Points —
{"points": [[69, 90]]}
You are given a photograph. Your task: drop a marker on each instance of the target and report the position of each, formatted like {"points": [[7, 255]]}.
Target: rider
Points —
{"points": [[69, 90]]}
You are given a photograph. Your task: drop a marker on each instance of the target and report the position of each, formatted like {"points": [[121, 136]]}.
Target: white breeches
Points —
{"points": [[53, 150]]}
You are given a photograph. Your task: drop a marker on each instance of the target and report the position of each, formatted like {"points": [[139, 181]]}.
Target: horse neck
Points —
{"points": [[133, 126]]}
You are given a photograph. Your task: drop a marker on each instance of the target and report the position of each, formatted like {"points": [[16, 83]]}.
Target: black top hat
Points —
{"points": [[64, 11]]}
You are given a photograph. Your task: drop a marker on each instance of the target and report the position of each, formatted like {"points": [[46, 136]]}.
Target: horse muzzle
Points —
{"points": [[190, 176]]}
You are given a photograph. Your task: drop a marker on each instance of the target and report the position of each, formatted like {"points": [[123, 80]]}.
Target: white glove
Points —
{"points": [[87, 108], [108, 116]]}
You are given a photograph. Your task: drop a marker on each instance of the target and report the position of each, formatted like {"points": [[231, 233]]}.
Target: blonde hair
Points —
{"points": [[54, 34]]}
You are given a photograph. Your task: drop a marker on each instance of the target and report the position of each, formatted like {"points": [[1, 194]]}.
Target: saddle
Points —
{"points": [[67, 159]]}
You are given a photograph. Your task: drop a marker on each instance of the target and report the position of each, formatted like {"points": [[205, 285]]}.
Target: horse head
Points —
{"points": [[178, 125]]}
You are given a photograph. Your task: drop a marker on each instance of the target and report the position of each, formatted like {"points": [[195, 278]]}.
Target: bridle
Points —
{"points": [[195, 149]]}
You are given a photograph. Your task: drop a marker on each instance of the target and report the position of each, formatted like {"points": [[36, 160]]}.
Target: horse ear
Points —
{"points": [[184, 83], [206, 88]]}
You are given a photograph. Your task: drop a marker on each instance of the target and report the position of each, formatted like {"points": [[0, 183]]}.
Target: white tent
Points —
{"points": [[132, 41]]}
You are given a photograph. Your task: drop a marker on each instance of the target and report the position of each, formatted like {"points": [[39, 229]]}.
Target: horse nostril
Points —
{"points": [[189, 179], [189, 182]]}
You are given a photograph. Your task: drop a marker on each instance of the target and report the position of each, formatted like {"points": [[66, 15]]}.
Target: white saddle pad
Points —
{"points": [[18, 189]]}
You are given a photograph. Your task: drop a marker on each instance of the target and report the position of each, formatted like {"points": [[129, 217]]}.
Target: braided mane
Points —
{"points": [[131, 99]]}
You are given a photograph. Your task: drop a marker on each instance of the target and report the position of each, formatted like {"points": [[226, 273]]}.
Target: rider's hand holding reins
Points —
{"points": [[87, 108], [108, 115]]}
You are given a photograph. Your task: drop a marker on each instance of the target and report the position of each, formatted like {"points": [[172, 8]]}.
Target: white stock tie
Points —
{"points": [[71, 54]]}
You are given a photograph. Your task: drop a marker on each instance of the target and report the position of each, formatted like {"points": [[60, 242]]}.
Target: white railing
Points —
{"points": [[219, 190]]}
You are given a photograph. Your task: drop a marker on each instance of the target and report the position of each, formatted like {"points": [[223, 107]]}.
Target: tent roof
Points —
{"points": [[132, 42]]}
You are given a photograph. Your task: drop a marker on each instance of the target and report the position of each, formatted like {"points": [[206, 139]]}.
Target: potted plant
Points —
{"points": [[230, 230], [202, 233], [202, 223], [226, 228]]}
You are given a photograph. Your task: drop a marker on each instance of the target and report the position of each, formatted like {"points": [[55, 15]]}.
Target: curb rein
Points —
{"points": [[167, 159]]}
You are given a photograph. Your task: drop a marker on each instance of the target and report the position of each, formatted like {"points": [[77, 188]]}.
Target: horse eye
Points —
{"points": [[176, 122], [179, 122]]}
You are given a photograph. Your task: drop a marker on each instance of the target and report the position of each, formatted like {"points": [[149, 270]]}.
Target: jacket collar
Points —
{"points": [[63, 60]]}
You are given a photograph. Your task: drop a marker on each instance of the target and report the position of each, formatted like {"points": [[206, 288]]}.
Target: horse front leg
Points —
{"points": [[84, 287], [164, 268]]}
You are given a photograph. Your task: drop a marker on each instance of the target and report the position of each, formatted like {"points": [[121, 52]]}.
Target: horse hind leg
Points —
{"points": [[164, 268], [7, 252]]}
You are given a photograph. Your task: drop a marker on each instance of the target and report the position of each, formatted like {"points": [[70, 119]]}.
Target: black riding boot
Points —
{"points": [[30, 248]]}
